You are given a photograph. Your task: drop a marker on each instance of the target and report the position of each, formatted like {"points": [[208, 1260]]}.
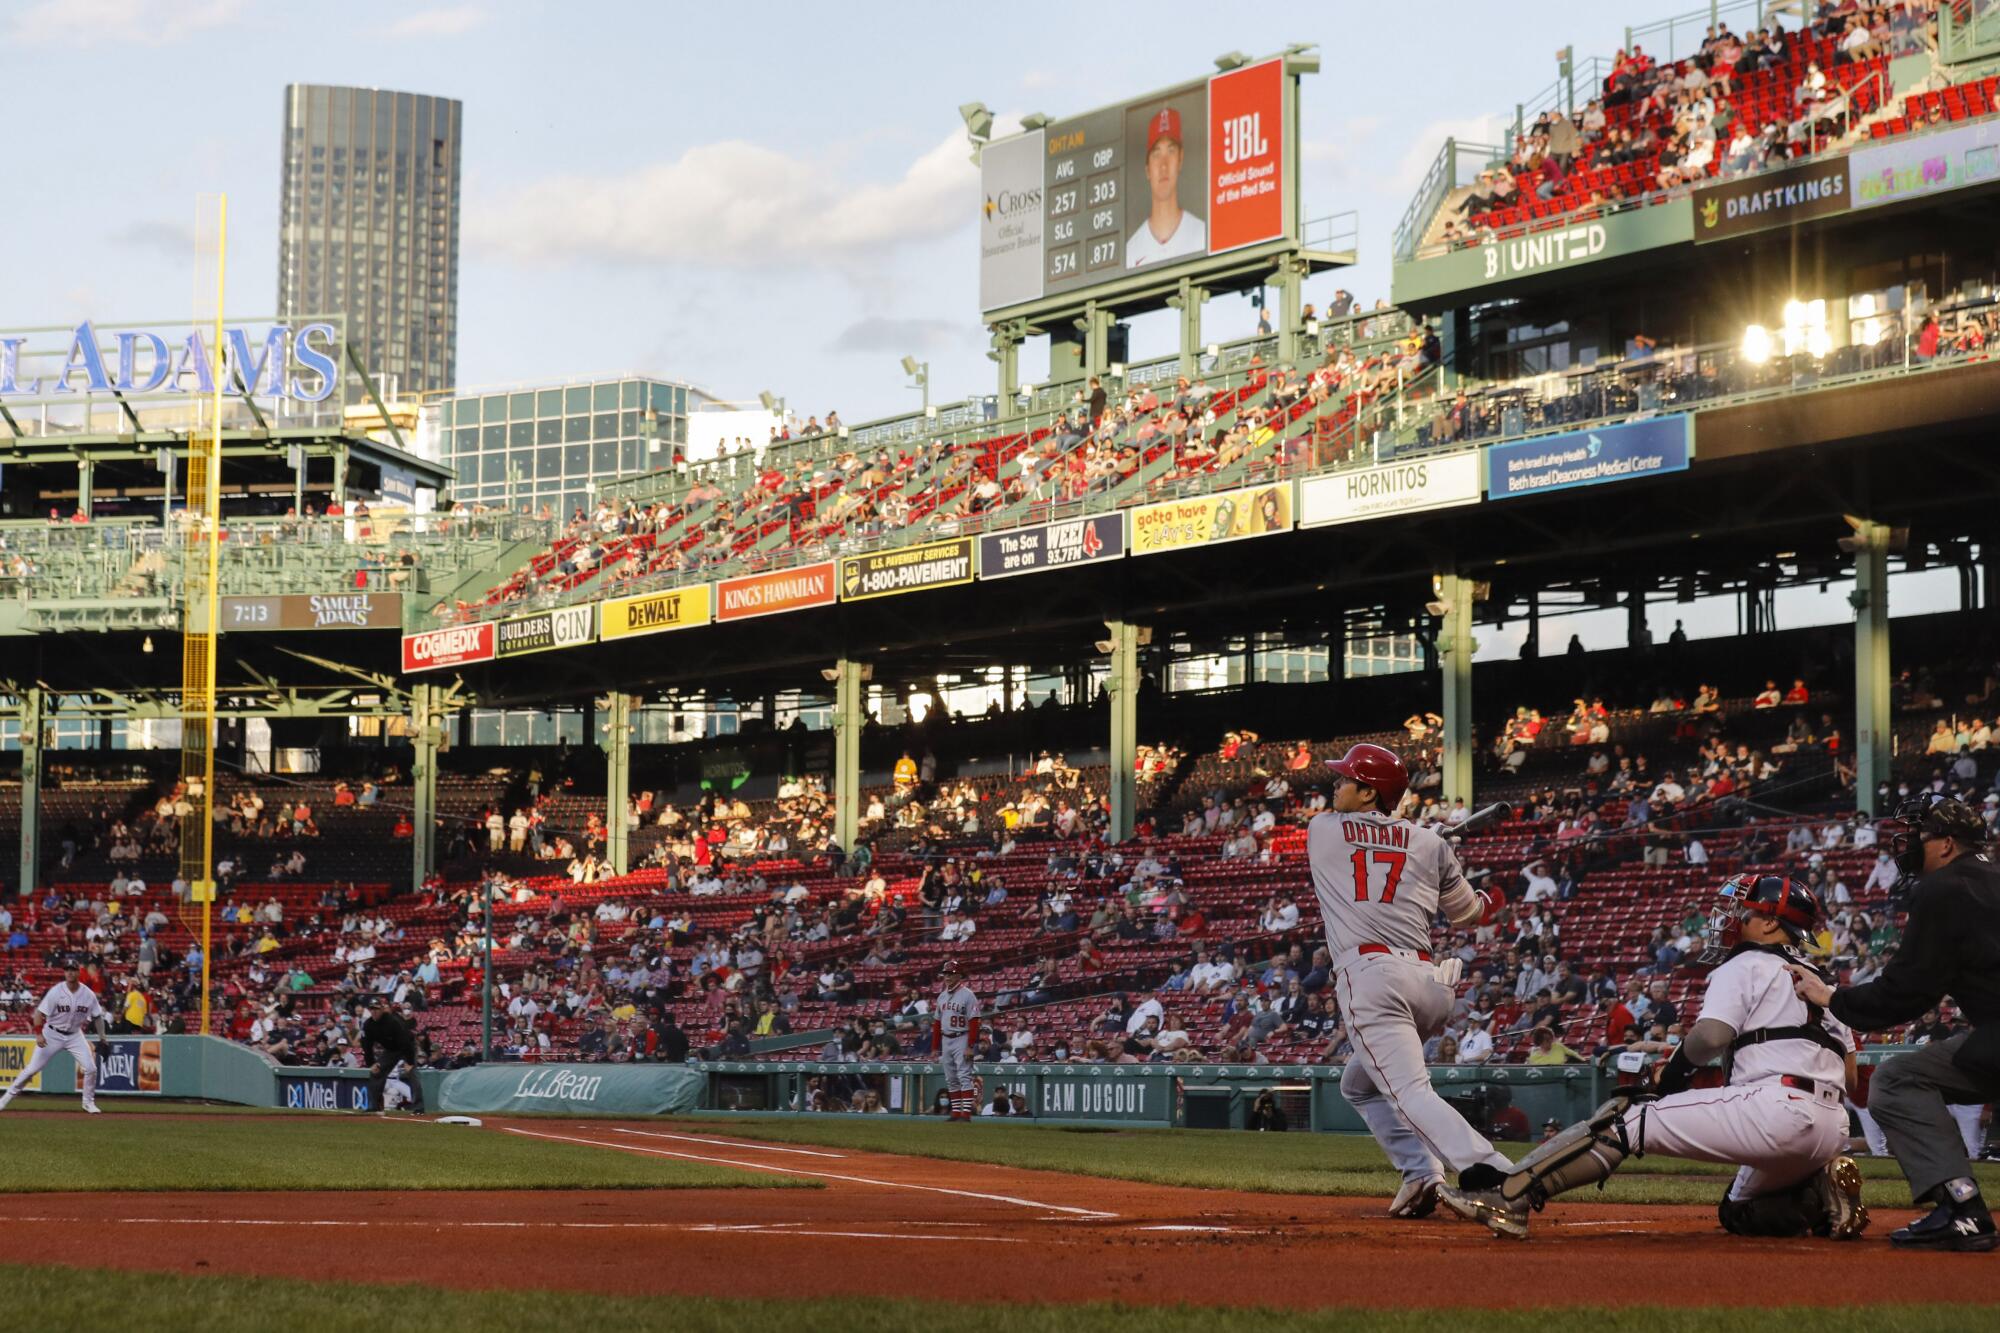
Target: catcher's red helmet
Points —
{"points": [[1374, 766]]}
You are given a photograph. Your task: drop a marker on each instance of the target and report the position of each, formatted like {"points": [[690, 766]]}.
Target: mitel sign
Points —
{"points": [[139, 362]]}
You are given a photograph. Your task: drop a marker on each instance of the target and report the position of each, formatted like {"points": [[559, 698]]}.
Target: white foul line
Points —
{"points": [[823, 1175], [724, 1143], [755, 1229]]}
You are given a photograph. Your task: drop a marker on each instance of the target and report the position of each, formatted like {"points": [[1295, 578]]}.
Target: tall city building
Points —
{"points": [[368, 229]]}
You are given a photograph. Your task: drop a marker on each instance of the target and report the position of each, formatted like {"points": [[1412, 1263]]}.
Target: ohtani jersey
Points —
{"points": [[1752, 990], [956, 1011], [1381, 880], [69, 1011]]}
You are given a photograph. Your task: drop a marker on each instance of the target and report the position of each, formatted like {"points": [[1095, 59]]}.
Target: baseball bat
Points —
{"points": [[1480, 818]]}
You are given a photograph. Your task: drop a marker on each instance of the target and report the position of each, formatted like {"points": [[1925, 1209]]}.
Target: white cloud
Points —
{"points": [[143, 22], [732, 204], [449, 22], [879, 333]]}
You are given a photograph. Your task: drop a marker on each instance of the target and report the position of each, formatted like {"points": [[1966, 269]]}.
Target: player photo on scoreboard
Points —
{"points": [[1167, 206]]}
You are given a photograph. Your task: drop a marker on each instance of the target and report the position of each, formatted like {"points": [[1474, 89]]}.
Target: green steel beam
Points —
{"points": [[1454, 650], [617, 746], [1870, 600], [1188, 301], [1123, 686], [426, 734], [31, 789], [375, 397], [848, 718]]}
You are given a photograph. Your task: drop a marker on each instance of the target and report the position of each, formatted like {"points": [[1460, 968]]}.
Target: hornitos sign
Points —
{"points": [[278, 362]]}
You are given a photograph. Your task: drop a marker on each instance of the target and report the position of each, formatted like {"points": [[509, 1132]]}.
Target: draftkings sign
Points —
{"points": [[1770, 199]]}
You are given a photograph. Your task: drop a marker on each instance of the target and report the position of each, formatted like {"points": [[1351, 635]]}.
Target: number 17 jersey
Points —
{"points": [[1381, 880]]}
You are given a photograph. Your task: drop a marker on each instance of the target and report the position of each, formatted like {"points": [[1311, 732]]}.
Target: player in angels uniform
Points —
{"points": [[1779, 1116], [1380, 882], [59, 1022], [954, 1027]]}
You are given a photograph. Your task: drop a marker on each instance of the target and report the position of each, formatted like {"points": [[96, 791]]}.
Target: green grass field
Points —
{"points": [[66, 1298], [1225, 1159], [322, 1152]]}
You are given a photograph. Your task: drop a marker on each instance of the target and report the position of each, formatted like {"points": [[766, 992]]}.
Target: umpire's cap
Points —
{"points": [[1377, 767]]}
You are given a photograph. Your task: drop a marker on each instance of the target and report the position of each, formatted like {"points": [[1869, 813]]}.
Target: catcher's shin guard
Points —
{"points": [[1584, 1154], [1780, 1214]]}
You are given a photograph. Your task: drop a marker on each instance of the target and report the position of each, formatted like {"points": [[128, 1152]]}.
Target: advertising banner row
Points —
{"points": [[129, 1065], [1892, 172], [1623, 452]]}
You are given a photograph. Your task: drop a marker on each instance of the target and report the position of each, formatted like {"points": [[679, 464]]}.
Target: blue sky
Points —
{"points": [[745, 196]]}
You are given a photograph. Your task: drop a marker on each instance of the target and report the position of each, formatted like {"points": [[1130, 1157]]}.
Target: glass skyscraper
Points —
{"points": [[554, 445], [368, 229]]}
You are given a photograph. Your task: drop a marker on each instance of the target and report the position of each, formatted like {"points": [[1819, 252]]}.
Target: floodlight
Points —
{"points": [[1034, 120], [1756, 344], [909, 365], [978, 121], [1229, 60]]}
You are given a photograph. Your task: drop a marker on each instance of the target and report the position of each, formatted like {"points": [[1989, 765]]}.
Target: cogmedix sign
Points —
{"points": [[435, 649], [655, 613], [906, 569]]}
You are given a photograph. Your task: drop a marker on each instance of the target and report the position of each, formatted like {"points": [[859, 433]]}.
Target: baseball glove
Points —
{"points": [[103, 1049]]}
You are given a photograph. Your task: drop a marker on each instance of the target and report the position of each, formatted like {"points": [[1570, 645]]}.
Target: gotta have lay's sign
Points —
{"points": [[655, 613]]}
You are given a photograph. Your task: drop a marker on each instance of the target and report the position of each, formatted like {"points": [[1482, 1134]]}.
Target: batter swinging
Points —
{"points": [[1380, 882]]}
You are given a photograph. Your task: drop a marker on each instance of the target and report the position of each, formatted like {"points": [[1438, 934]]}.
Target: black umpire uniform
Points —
{"points": [[1950, 946], [387, 1032]]}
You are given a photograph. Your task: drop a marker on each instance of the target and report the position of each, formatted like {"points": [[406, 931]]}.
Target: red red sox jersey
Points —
{"points": [[69, 1011], [957, 1011], [1381, 880]]}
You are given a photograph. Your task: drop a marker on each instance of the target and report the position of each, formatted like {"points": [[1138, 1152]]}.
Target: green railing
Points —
{"points": [[1457, 164], [1968, 30]]}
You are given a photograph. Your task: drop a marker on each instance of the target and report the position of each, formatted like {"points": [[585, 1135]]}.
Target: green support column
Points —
{"points": [[1870, 600], [86, 477], [31, 790], [1291, 300], [1123, 687], [1454, 650], [1188, 301], [848, 718], [428, 733], [1096, 329], [1006, 354], [340, 475], [617, 744]]}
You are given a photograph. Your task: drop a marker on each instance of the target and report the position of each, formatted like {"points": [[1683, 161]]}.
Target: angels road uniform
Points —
{"points": [[1782, 1114], [65, 1014], [1380, 881], [954, 1027]]}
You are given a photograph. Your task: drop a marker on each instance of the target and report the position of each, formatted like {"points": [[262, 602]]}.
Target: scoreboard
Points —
{"points": [[1083, 222], [1159, 182]]}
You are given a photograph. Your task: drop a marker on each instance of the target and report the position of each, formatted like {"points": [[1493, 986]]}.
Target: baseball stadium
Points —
{"points": [[1476, 804]]}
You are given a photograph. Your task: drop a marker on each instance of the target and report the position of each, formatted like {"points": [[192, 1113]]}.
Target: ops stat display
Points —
{"points": [[1084, 201]]}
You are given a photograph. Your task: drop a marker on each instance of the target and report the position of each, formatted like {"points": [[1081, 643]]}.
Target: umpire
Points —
{"points": [[386, 1039], [1950, 946]]}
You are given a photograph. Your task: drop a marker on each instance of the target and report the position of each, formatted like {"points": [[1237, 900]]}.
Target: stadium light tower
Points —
{"points": [[978, 126], [920, 378]]}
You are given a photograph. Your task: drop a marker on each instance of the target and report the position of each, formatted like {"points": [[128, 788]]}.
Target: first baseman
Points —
{"points": [[59, 1022], [1380, 880], [954, 1027], [1780, 1116]]}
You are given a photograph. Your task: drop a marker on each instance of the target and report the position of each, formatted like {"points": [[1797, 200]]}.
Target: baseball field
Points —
{"points": [[233, 1220]]}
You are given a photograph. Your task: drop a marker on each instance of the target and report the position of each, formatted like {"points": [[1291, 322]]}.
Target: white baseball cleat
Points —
{"points": [[1417, 1198], [6, 1100], [92, 1110], [1488, 1208]]}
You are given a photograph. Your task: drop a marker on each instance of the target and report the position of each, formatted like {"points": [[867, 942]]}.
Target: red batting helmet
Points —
{"points": [[1374, 766]]}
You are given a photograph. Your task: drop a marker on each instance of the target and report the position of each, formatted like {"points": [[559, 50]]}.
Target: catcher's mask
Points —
{"points": [[1777, 897]]}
